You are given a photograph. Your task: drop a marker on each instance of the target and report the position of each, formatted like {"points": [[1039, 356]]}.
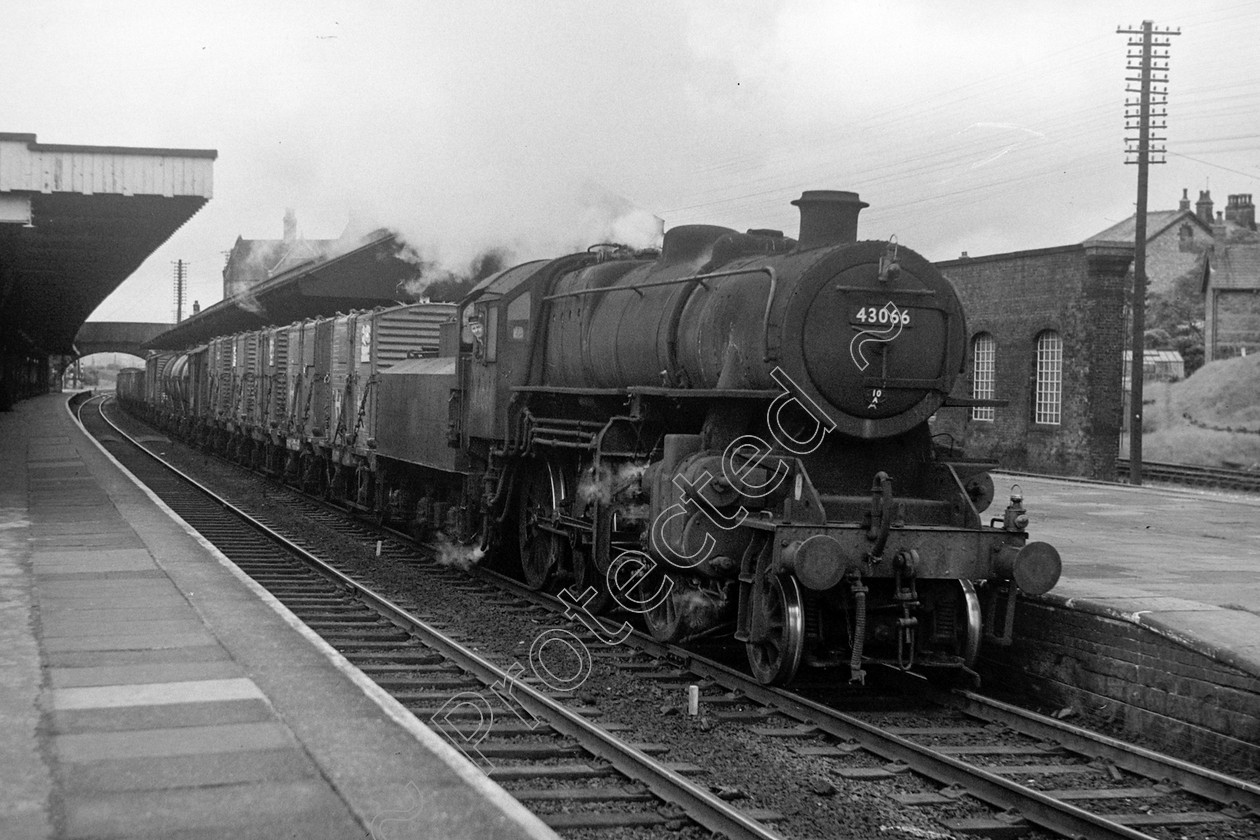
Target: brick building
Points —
{"points": [[1047, 335]]}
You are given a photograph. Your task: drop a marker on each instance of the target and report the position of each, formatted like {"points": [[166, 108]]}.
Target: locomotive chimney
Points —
{"points": [[828, 217]]}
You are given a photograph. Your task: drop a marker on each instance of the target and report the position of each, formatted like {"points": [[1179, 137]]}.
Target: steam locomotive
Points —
{"points": [[728, 437]]}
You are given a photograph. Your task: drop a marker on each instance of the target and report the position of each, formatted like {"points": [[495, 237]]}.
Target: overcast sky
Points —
{"points": [[985, 126]]}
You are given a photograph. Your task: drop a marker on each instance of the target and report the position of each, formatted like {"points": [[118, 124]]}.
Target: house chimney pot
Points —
{"points": [[1203, 207], [1240, 211]]}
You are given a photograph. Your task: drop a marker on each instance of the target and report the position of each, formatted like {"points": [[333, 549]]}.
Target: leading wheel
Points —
{"points": [[950, 623], [542, 551], [775, 647], [970, 626]]}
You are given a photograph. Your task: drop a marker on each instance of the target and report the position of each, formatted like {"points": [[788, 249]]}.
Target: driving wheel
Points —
{"points": [[542, 551]]}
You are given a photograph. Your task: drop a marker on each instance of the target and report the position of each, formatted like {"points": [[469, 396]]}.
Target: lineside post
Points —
{"points": [[1152, 90]]}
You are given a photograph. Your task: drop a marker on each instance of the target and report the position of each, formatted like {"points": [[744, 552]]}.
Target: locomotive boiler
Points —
{"points": [[732, 437]]}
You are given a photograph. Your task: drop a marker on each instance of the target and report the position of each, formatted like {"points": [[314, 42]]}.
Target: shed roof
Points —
{"points": [[1156, 356]]}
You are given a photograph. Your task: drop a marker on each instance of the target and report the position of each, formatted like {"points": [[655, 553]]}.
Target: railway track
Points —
{"points": [[971, 745], [601, 781], [1247, 481], [1034, 773]]}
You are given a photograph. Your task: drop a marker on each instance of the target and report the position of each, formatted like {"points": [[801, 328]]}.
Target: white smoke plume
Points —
{"points": [[608, 217], [551, 220], [462, 557], [433, 281]]}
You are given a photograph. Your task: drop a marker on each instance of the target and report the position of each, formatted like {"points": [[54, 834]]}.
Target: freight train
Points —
{"points": [[728, 436]]}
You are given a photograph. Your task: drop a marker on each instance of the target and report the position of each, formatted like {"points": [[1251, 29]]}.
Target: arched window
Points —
{"points": [[1048, 407], [983, 358]]}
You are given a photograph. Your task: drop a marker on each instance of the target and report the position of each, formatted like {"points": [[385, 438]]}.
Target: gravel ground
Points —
{"points": [[753, 770]]}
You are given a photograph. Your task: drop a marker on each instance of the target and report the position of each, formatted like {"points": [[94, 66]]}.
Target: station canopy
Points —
{"points": [[364, 273], [75, 221]]}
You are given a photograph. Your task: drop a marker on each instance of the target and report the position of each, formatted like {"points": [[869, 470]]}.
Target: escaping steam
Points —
{"points": [[462, 557], [600, 484], [436, 283], [507, 228], [608, 217]]}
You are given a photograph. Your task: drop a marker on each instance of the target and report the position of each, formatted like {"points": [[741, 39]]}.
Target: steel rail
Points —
{"points": [[1039, 809], [1193, 475], [696, 803], [996, 791], [1200, 781]]}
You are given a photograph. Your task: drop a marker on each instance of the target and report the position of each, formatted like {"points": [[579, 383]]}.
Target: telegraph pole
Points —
{"points": [[180, 273], [1146, 58]]}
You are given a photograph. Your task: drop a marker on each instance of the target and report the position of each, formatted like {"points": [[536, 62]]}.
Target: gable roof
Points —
{"points": [[1234, 267], [1157, 222]]}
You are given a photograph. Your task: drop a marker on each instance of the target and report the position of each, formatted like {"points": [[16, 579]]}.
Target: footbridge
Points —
{"points": [[116, 337]]}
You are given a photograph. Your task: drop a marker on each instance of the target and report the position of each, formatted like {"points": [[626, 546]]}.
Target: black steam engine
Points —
{"points": [[733, 437], [728, 437]]}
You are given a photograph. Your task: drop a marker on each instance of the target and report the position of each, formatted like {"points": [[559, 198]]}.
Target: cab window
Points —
{"points": [[492, 333], [518, 318]]}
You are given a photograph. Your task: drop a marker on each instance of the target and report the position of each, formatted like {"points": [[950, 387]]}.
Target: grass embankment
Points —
{"points": [[1224, 394]]}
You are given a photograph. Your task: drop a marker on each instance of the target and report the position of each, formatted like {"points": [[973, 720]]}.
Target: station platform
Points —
{"points": [[1182, 562], [148, 689], [1155, 622]]}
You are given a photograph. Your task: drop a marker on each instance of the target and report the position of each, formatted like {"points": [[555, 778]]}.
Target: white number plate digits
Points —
{"points": [[885, 316]]}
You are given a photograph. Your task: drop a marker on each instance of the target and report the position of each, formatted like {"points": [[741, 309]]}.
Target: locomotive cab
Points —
{"points": [[499, 315]]}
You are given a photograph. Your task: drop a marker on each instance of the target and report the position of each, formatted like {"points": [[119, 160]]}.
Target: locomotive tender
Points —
{"points": [[730, 436]]}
